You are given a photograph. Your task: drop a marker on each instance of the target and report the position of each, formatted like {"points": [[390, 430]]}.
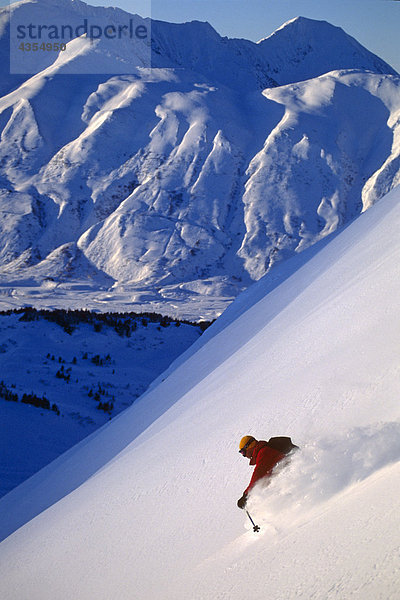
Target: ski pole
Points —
{"points": [[255, 527]]}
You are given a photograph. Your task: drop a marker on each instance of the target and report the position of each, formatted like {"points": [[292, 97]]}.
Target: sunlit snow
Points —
{"points": [[147, 506]]}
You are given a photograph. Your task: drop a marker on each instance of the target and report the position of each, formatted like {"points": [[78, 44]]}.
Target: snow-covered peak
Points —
{"points": [[300, 49], [287, 25], [303, 48]]}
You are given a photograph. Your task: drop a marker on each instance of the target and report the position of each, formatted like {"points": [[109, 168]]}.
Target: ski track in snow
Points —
{"points": [[305, 489], [297, 563]]}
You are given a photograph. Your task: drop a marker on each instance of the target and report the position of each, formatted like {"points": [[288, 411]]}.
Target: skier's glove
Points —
{"points": [[242, 501]]}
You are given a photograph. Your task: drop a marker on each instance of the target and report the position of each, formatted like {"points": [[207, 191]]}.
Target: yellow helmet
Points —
{"points": [[247, 442]]}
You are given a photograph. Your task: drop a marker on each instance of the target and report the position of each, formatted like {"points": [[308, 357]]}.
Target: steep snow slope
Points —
{"points": [[321, 165], [316, 358], [175, 187]]}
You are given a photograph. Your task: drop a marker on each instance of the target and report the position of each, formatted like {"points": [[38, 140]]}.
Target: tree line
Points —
{"points": [[123, 323], [38, 401]]}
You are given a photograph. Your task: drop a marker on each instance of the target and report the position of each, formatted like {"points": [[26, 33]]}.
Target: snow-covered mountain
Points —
{"points": [[146, 507], [174, 187]]}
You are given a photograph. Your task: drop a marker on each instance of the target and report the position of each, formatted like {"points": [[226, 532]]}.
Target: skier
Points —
{"points": [[265, 456]]}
